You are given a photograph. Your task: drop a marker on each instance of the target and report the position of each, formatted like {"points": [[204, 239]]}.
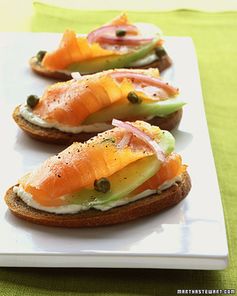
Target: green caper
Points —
{"points": [[120, 33], [160, 52], [134, 98], [40, 55], [102, 185], [32, 100]]}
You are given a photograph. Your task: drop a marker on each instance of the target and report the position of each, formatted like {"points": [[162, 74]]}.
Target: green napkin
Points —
{"points": [[215, 39]]}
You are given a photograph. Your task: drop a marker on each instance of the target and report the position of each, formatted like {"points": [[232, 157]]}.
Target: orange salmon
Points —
{"points": [[70, 103], [171, 168], [80, 165]]}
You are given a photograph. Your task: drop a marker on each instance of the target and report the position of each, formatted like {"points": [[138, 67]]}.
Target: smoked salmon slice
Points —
{"points": [[171, 168], [73, 49], [70, 103], [80, 164]]}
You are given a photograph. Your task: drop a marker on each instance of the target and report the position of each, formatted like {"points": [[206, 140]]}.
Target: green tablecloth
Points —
{"points": [[215, 38]]}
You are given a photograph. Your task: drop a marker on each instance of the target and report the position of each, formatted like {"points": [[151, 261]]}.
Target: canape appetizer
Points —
{"points": [[119, 44], [78, 109], [119, 175]]}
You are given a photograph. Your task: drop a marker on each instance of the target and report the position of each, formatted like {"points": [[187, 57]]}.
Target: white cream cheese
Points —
{"points": [[28, 199], [75, 208], [148, 59], [169, 183], [124, 200], [27, 114]]}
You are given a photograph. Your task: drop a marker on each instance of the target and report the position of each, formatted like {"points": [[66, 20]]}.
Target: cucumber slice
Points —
{"points": [[129, 110], [111, 62], [167, 142], [122, 183]]}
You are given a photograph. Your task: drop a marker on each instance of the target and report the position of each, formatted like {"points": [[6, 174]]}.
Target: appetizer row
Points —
{"points": [[78, 109], [119, 175], [116, 112], [118, 44]]}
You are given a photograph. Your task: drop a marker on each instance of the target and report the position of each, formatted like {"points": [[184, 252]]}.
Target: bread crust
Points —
{"points": [[52, 135], [92, 218], [163, 63], [39, 69]]}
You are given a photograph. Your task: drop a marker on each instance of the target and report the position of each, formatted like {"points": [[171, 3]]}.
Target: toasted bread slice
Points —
{"points": [[91, 218], [52, 135], [162, 63]]}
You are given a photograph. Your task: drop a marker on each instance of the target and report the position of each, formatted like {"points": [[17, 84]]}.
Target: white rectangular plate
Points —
{"points": [[190, 235]]}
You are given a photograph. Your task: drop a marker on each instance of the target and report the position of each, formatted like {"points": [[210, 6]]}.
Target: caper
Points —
{"points": [[102, 185], [40, 55], [160, 52], [134, 98], [120, 33], [32, 100]]}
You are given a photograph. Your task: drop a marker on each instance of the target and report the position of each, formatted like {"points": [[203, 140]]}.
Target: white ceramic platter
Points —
{"points": [[190, 235]]}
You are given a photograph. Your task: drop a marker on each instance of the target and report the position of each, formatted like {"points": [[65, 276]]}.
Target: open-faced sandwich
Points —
{"points": [[78, 109], [118, 44], [119, 175]]}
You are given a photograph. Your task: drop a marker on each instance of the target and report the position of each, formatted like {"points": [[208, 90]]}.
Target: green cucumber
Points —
{"points": [[128, 110], [167, 142], [126, 180], [111, 62], [122, 183]]}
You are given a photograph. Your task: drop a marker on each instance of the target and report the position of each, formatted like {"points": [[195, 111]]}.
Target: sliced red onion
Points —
{"points": [[146, 79], [125, 140], [76, 75], [96, 34], [141, 135], [133, 41]]}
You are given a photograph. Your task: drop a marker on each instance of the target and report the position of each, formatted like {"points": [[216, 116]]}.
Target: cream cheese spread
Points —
{"points": [[148, 59], [75, 208], [27, 114]]}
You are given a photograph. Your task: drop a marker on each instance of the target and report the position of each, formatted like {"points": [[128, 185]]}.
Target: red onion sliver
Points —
{"points": [[96, 34], [141, 135], [144, 78], [133, 41]]}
